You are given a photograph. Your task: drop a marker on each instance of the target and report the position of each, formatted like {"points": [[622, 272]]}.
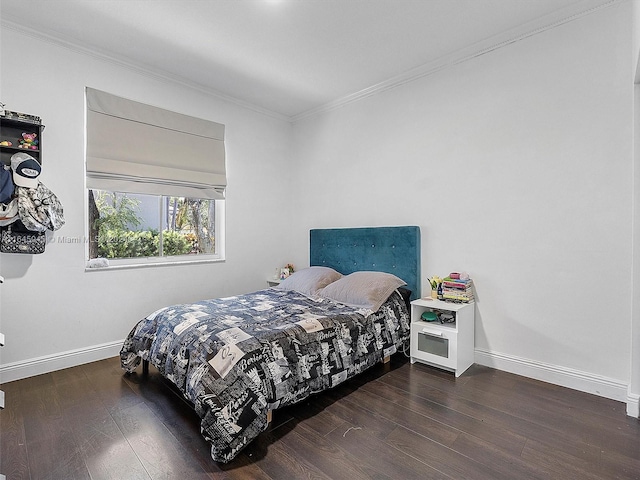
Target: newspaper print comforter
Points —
{"points": [[238, 357]]}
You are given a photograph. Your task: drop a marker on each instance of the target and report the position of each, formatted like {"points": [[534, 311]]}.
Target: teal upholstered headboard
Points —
{"points": [[393, 250]]}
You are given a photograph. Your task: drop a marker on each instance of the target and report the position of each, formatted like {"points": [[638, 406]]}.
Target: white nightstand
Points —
{"points": [[272, 282], [444, 345]]}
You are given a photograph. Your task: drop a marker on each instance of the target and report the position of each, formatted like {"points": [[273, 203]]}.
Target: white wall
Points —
{"points": [[517, 165], [633, 399], [53, 312]]}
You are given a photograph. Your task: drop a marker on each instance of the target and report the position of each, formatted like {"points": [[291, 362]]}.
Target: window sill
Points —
{"points": [[159, 263]]}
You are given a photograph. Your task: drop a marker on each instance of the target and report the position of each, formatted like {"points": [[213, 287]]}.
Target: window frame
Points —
{"points": [[159, 152], [165, 260]]}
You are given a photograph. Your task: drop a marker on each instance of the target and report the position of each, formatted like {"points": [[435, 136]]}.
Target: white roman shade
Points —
{"points": [[137, 148]]}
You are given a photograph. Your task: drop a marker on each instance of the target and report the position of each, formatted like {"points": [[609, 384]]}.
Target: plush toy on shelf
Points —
{"points": [[29, 141], [5, 143]]}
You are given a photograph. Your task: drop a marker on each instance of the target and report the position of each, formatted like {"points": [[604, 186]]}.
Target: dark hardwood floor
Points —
{"points": [[396, 421]]}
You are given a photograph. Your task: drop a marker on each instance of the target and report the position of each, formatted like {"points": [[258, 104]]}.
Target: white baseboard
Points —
{"points": [[50, 363], [565, 377], [633, 405]]}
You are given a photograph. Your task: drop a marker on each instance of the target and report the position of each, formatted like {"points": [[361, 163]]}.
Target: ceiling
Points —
{"points": [[288, 57]]}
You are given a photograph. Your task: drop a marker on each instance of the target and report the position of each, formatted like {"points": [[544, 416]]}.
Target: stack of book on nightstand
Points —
{"points": [[457, 290]]}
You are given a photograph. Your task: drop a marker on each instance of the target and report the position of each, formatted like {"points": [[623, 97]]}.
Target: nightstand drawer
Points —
{"points": [[434, 344]]}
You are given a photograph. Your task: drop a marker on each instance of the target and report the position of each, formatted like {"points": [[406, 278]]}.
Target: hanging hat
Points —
{"points": [[39, 208], [6, 185], [25, 170]]}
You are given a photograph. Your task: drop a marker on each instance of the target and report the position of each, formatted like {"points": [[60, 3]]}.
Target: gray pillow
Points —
{"points": [[363, 289], [309, 280]]}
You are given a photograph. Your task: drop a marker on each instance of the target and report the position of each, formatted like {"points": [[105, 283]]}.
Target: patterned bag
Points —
{"points": [[13, 241]]}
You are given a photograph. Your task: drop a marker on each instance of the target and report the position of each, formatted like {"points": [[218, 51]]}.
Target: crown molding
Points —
{"points": [[145, 70], [542, 24]]}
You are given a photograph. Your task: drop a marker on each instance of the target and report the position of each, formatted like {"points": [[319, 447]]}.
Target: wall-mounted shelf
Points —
{"points": [[12, 126]]}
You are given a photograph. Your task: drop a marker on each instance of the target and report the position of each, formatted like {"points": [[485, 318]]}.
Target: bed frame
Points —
{"points": [[393, 250]]}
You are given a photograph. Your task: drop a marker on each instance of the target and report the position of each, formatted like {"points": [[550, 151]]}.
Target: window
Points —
{"points": [[156, 194], [146, 227]]}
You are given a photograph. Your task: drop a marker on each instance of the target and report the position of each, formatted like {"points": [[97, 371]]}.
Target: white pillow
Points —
{"points": [[363, 289], [309, 280]]}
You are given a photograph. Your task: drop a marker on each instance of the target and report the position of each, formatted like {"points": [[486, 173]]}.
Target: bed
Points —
{"points": [[237, 359]]}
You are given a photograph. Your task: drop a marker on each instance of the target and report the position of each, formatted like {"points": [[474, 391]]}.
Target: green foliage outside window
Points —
{"points": [[118, 236], [120, 243], [117, 212]]}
